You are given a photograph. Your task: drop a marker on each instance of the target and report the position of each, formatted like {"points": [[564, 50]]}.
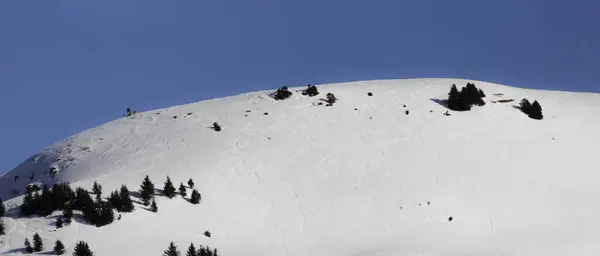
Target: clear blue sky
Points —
{"points": [[66, 66]]}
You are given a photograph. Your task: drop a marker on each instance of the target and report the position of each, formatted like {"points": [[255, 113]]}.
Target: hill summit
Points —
{"points": [[361, 168]]}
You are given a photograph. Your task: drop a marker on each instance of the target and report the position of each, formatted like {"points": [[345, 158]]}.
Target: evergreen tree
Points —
{"points": [[59, 222], [67, 214], [147, 190], [106, 215], [191, 250], [282, 93], [216, 127], [97, 189], [311, 91], [536, 111], [61, 194], [481, 93], [525, 106], [38, 245], [29, 205], [191, 183], [196, 197], [2, 209], [331, 98], [126, 202], [1, 227], [82, 249], [169, 189], [171, 251], [59, 248], [46, 207], [182, 190], [28, 247], [115, 200], [453, 98], [153, 207]]}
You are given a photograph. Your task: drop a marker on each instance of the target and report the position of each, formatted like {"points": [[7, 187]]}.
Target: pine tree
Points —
{"points": [[61, 195], [536, 111], [147, 190], [126, 202], [191, 250], [106, 215], [2, 209], [1, 227], [59, 248], [453, 98], [59, 222], [153, 207], [97, 189], [182, 190], [26, 204], [169, 189], [38, 245], [82, 249], [217, 127], [115, 200], [525, 106], [196, 197], [191, 183], [67, 213], [481, 93], [28, 247], [171, 251], [46, 207], [282, 93], [311, 91]]}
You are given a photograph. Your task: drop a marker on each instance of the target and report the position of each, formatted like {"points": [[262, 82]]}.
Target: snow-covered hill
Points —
{"points": [[359, 178]]}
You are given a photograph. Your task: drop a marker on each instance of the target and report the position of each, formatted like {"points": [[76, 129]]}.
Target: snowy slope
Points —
{"points": [[314, 180]]}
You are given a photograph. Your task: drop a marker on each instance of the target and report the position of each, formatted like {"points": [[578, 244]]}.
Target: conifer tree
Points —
{"points": [[453, 98], [115, 200], [217, 127], [106, 215], [38, 245], [26, 205], [97, 189], [126, 202], [169, 189], [154, 207], [28, 247], [191, 183], [46, 207], [67, 213], [1, 227], [282, 93], [61, 194], [536, 111], [182, 190], [525, 106], [481, 93], [191, 250], [196, 197], [59, 248], [82, 249], [171, 251], [2, 209], [147, 191], [59, 222]]}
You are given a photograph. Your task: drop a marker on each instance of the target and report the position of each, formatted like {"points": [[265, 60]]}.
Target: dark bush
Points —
{"points": [[282, 93]]}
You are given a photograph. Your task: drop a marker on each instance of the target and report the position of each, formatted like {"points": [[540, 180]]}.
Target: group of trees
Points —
{"points": [[97, 212], [311, 91], [534, 110], [147, 192], [192, 251], [81, 248], [282, 93], [464, 99]]}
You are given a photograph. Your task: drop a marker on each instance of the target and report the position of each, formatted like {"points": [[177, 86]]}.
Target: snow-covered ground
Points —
{"points": [[358, 178]]}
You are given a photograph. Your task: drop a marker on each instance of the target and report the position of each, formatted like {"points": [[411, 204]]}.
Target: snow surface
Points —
{"points": [[313, 180]]}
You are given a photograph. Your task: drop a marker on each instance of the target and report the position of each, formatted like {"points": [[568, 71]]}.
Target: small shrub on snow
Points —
{"points": [[282, 93], [311, 91]]}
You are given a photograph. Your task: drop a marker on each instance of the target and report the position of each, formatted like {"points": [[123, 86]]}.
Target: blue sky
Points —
{"points": [[66, 66]]}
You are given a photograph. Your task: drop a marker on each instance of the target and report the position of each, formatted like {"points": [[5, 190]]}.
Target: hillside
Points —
{"points": [[359, 178]]}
